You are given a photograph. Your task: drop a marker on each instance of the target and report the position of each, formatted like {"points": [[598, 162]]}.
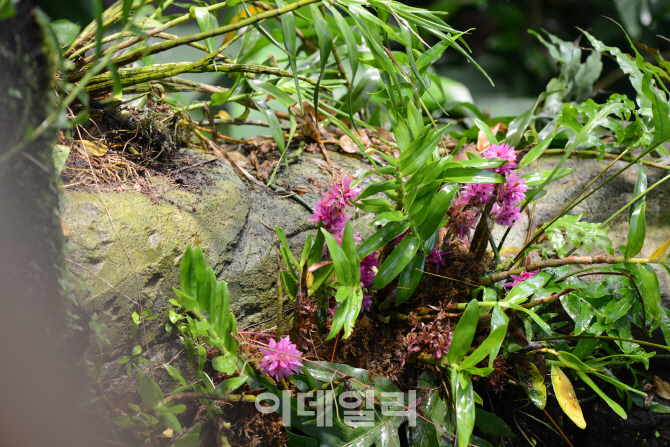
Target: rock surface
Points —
{"points": [[140, 254], [600, 206]]}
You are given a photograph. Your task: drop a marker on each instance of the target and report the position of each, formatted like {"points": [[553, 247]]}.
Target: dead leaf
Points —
{"points": [[348, 145], [461, 154], [382, 133], [95, 148], [662, 387], [483, 142], [299, 191], [66, 230], [567, 399]]}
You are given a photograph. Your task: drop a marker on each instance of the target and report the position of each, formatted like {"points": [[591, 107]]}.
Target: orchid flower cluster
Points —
{"points": [[281, 359], [505, 211], [330, 211]]}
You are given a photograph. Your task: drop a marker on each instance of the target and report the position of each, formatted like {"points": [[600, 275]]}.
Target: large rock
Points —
{"points": [[141, 252], [600, 206]]}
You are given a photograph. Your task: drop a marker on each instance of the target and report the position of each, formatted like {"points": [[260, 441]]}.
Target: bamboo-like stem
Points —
{"points": [[595, 154], [172, 23], [602, 337], [567, 261], [340, 67], [164, 36], [135, 55], [109, 17], [133, 76], [211, 396]]}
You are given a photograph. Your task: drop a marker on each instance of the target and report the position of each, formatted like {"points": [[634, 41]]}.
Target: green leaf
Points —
{"points": [[376, 205], [249, 41], [325, 47], [637, 225], [65, 31], [340, 261], [317, 249], [190, 440], [389, 216], [419, 151], [347, 311], [572, 361], [436, 211], [491, 424], [351, 253], [288, 31], [133, 423], [381, 237], [487, 131], [136, 350], [498, 318], [524, 289], [206, 22], [174, 373], [494, 339], [352, 52], [578, 232], [289, 284], [470, 175], [272, 90], [647, 281], [613, 405], [284, 241], [535, 153], [396, 261], [464, 333], [230, 385], [150, 392], [410, 278], [539, 178], [462, 390], [375, 188], [540, 322], [168, 419], [224, 363], [273, 122]]}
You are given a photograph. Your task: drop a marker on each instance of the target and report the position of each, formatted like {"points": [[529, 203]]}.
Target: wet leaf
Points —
{"points": [[565, 394], [613, 405], [396, 261], [464, 333], [533, 384], [637, 226], [464, 401]]}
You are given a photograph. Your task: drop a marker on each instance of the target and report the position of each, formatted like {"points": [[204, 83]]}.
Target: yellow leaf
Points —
{"points": [[223, 115], [95, 148], [565, 394], [660, 251]]}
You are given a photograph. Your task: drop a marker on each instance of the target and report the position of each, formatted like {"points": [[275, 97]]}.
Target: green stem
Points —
{"points": [[134, 76], [596, 154], [567, 261], [600, 337], [135, 55], [642, 194]]}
